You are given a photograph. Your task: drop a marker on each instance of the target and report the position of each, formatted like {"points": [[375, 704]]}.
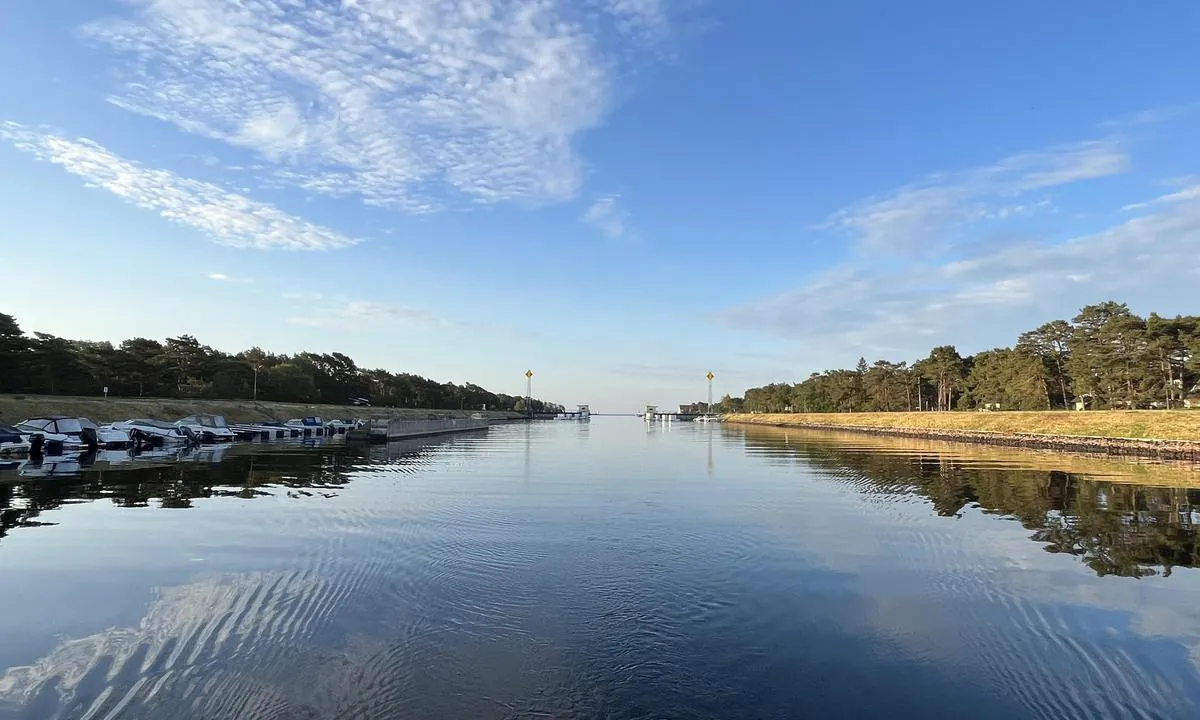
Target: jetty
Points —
{"points": [[390, 429]]}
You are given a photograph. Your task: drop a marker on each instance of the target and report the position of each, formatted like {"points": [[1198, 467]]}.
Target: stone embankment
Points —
{"points": [[1163, 449]]}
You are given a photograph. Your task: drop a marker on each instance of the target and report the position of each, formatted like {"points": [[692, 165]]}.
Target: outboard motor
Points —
{"points": [[193, 438], [37, 446], [90, 440]]}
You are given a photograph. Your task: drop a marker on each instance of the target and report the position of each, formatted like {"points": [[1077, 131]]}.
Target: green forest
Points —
{"points": [[181, 367], [1106, 357]]}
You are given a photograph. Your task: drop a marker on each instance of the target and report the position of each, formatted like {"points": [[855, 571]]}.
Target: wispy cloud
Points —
{"points": [[983, 299], [395, 101], [985, 292], [1191, 192], [917, 218], [607, 216], [222, 277], [224, 217], [360, 314]]}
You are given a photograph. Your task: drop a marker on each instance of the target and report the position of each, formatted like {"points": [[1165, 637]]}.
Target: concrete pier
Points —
{"points": [[388, 429]]}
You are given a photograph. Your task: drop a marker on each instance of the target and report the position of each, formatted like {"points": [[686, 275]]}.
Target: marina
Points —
{"points": [[57, 445]]}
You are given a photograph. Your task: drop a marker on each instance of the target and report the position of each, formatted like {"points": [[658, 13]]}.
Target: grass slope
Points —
{"points": [[1139, 424], [14, 408]]}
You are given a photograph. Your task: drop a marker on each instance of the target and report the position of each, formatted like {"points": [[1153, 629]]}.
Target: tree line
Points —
{"points": [[181, 367], [1107, 357]]}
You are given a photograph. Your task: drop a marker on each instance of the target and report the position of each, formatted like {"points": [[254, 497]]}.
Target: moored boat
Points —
{"points": [[54, 442], [209, 428], [13, 441], [582, 413], [260, 431], [342, 426], [155, 432], [311, 425]]}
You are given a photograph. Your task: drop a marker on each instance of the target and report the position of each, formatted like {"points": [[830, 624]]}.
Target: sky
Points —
{"points": [[620, 195]]}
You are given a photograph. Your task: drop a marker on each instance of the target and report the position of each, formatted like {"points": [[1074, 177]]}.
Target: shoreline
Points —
{"points": [[1146, 447], [14, 408]]}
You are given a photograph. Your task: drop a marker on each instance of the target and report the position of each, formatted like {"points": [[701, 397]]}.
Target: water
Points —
{"points": [[602, 570]]}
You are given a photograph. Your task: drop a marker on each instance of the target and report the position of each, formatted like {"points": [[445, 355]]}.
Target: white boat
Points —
{"points": [[209, 428], [340, 427], [155, 432], [707, 419], [13, 441], [80, 430], [312, 425], [260, 431], [54, 443], [581, 413]]}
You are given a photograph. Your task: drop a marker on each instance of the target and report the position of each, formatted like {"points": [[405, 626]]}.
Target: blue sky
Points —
{"points": [[619, 194]]}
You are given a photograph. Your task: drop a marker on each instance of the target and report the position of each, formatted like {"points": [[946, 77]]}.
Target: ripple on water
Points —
{"points": [[465, 580]]}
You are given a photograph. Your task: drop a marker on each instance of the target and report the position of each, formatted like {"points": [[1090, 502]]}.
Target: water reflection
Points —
{"points": [[1119, 519], [176, 477], [610, 570]]}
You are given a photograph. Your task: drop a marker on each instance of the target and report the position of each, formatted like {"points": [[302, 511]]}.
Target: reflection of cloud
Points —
{"points": [[387, 99], [225, 217]]}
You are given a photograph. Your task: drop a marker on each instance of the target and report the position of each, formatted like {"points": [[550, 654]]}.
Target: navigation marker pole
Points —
{"points": [[529, 393], [710, 377]]}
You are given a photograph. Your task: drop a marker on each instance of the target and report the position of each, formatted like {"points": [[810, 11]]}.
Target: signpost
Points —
{"points": [[105, 391]]}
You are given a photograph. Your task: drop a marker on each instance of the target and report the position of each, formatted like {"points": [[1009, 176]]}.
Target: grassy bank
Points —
{"points": [[1181, 425], [14, 408], [1123, 470]]}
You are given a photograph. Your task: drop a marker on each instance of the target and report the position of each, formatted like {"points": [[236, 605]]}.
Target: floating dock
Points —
{"points": [[389, 429]]}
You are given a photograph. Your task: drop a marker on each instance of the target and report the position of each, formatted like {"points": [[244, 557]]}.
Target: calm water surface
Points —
{"points": [[602, 570]]}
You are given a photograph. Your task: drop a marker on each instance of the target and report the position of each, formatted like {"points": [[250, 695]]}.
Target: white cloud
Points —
{"points": [[915, 218], [390, 100], [344, 314], [1191, 192], [988, 294], [225, 217], [222, 277], [607, 216]]}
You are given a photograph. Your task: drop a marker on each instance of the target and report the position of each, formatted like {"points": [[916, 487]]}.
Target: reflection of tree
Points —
{"points": [[1114, 528], [176, 485]]}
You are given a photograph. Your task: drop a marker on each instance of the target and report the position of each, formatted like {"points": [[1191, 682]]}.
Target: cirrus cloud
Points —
{"points": [[607, 216], [919, 280], [915, 218], [394, 101], [225, 217]]}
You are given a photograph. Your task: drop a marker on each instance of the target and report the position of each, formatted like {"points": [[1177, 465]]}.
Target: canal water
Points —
{"points": [[611, 569]]}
